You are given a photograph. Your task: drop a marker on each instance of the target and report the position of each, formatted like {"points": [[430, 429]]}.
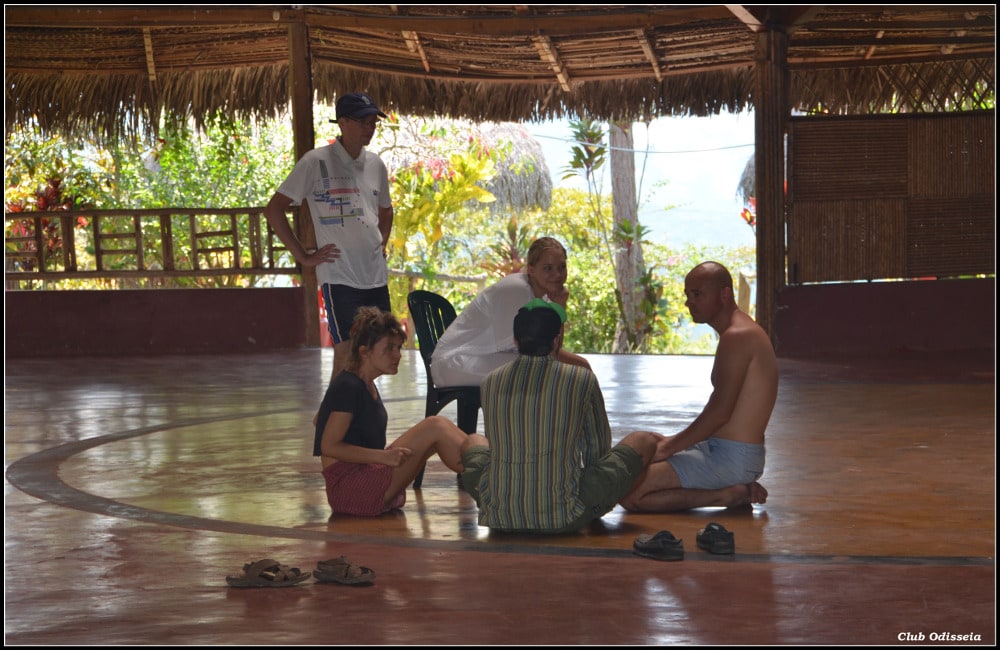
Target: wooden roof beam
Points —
{"points": [[948, 49], [878, 40], [147, 38], [871, 49], [647, 47], [759, 18], [548, 54], [585, 21], [413, 43], [546, 49], [66, 17], [752, 17]]}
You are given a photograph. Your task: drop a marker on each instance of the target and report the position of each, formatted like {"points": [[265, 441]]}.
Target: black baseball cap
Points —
{"points": [[356, 106]]}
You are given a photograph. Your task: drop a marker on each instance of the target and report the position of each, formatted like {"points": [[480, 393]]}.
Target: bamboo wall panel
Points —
{"points": [[848, 240], [949, 237], [841, 159], [892, 197], [952, 157]]}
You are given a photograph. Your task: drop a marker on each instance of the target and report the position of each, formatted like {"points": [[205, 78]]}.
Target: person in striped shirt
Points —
{"points": [[546, 464]]}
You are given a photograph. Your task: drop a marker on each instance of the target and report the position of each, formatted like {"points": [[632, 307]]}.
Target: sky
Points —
{"points": [[692, 163]]}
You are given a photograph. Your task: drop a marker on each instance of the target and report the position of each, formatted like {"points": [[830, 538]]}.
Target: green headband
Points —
{"points": [[554, 306]]}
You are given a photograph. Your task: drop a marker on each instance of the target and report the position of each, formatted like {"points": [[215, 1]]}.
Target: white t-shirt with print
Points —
{"points": [[344, 197]]}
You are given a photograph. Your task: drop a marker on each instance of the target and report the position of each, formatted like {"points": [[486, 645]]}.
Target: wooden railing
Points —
{"points": [[160, 243], [150, 245]]}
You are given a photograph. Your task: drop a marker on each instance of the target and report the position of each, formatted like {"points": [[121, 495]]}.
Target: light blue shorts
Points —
{"points": [[717, 463]]}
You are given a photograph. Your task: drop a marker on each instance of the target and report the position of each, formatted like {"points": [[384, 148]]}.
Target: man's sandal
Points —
{"points": [[342, 571], [268, 573]]}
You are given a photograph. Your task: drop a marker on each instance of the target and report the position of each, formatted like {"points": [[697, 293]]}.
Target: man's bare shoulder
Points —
{"points": [[744, 332], [743, 322]]}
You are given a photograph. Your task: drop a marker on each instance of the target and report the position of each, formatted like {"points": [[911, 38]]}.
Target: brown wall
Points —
{"points": [[886, 318], [876, 319], [151, 322]]}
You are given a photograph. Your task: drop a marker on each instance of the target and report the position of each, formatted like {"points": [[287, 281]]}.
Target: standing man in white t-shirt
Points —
{"points": [[346, 191]]}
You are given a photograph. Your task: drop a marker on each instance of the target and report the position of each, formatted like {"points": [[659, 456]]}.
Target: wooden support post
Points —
{"points": [[771, 110], [300, 70]]}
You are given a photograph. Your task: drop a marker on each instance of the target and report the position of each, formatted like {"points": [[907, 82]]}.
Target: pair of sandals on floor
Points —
{"points": [[713, 538], [271, 573]]}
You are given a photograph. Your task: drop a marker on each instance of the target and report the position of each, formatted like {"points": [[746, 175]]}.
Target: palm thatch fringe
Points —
{"points": [[700, 94], [129, 105]]}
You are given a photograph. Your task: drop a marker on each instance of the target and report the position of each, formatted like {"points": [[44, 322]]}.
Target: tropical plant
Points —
{"points": [[439, 171], [227, 165], [637, 291], [508, 254], [443, 226]]}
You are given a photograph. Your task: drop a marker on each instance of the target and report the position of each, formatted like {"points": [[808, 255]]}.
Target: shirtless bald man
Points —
{"points": [[717, 459]]}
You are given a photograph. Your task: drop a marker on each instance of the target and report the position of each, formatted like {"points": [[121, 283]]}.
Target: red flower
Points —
{"points": [[749, 213]]}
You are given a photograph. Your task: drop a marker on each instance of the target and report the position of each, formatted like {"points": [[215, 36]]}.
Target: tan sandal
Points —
{"points": [[268, 573], [343, 571]]}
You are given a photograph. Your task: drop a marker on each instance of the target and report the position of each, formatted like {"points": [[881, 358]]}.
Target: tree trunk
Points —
{"points": [[629, 263]]}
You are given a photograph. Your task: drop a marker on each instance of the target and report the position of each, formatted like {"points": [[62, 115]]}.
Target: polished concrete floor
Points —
{"points": [[135, 485]]}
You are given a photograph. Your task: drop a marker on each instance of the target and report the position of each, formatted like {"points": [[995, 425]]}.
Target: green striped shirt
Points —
{"points": [[545, 421]]}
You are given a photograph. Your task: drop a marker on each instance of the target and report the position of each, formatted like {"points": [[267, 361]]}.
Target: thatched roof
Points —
{"points": [[102, 69]]}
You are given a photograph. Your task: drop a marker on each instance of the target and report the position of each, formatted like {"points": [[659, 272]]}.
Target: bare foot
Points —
{"points": [[736, 496], [757, 493], [742, 496]]}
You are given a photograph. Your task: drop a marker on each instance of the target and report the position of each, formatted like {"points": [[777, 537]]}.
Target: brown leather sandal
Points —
{"points": [[268, 573], [343, 571]]}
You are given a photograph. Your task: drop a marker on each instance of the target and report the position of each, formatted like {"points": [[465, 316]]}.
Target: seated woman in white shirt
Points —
{"points": [[481, 339]]}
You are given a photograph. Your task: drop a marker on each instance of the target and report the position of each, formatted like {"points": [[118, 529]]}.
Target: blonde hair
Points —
{"points": [[539, 246]]}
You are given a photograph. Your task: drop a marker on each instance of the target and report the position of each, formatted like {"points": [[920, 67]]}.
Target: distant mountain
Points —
{"points": [[698, 226]]}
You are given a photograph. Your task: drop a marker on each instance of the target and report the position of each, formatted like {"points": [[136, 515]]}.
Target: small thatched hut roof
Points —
{"points": [[522, 179], [107, 69]]}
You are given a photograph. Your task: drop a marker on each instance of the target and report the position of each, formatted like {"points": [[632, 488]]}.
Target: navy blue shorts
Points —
{"points": [[342, 303]]}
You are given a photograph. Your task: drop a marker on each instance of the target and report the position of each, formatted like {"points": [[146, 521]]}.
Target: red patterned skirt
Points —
{"points": [[358, 489]]}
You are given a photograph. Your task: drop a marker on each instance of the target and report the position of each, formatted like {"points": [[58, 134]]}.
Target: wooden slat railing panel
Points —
{"points": [[143, 244]]}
